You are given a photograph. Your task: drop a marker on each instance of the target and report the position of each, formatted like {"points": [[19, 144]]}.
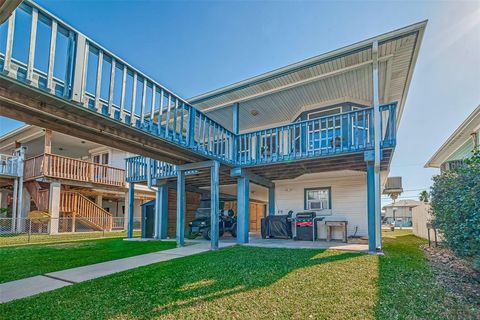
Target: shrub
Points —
{"points": [[455, 199]]}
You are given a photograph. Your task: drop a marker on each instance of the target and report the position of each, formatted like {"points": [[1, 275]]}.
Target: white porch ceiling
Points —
{"points": [[339, 76]]}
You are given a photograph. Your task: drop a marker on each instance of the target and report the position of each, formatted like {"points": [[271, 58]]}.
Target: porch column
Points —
{"points": [[161, 212], [54, 206], [99, 200], [243, 207], [372, 232], [47, 142], [378, 151], [130, 209], [180, 231], [3, 198], [214, 206], [271, 201]]}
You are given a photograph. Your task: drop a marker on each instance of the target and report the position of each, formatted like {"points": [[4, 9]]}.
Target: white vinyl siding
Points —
{"points": [[348, 197]]}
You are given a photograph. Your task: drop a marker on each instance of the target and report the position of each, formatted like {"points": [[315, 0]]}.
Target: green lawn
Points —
{"points": [[259, 283], [19, 239], [26, 261]]}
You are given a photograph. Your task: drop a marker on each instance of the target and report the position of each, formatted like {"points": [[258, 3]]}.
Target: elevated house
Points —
{"points": [[459, 146], [66, 177], [316, 136], [399, 213]]}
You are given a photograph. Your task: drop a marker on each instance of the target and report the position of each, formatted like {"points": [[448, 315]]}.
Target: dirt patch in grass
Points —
{"points": [[456, 275]]}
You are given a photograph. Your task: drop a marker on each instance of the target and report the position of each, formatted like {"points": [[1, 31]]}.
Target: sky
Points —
{"points": [[196, 46]]}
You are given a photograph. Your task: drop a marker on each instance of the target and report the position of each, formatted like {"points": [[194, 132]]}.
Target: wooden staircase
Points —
{"points": [[73, 205]]}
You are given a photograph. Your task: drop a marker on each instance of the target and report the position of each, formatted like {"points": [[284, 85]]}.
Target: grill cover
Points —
{"points": [[276, 227]]}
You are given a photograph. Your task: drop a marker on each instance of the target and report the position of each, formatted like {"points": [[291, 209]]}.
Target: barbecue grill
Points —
{"points": [[305, 228]]}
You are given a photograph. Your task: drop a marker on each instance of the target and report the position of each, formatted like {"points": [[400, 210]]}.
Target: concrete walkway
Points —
{"points": [[50, 281]]}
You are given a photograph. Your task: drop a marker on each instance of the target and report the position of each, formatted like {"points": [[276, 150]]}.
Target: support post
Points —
{"points": [[14, 205], [271, 201], [99, 200], [20, 153], [180, 231], [377, 138], [130, 209], [47, 146], [371, 207], [214, 206], [243, 208], [161, 212], [54, 206]]}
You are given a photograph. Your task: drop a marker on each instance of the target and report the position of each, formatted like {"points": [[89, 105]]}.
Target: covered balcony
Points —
{"points": [[60, 167]]}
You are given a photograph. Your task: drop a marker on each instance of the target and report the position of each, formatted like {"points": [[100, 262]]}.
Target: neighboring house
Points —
{"points": [[459, 146], [400, 213], [79, 171]]}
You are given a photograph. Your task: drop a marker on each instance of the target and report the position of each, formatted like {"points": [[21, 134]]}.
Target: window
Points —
{"points": [[101, 158], [318, 199]]}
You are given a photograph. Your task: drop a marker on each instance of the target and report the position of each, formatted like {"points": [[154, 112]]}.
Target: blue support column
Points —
{"points": [[131, 206], [161, 212], [214, 205], [371, 206], [243, 208], [271, 201], [180, 234]]}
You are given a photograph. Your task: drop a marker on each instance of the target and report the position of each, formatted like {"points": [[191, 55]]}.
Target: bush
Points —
{"points": [[456, 208]]}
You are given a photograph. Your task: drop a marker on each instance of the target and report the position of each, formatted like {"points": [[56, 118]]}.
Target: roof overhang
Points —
{"points": [[456, 140], [342, 75]]}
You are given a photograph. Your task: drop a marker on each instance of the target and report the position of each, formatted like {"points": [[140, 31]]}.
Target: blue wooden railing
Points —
{"points": [[338, 134], [47, 54]]}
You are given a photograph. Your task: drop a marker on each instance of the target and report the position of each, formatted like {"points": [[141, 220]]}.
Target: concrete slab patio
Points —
{"points": [[34, 285]]}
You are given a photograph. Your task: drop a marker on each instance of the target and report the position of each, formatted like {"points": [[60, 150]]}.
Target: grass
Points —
{"points": [[19, 239], [258, 283], [26, 261]]}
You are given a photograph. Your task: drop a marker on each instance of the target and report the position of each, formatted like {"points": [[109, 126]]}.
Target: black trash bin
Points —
{"points": [[148, 219]]}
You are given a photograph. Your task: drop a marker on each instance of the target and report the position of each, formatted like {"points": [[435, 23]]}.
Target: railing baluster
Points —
{"points": [[99, 81], [7, 65], [51, 61], [169, 106], [182, 119], [175, 116], [152, 109], [122, 94], [160, 112], [31, 50], [144, 97], [111, 88], [134, 99]]}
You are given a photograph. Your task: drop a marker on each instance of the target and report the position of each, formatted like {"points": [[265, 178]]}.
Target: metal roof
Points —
{"points": [[338, 76]]}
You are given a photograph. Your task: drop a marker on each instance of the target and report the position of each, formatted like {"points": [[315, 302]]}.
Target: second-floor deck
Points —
{"points": [[346, 135], [60, 167]]}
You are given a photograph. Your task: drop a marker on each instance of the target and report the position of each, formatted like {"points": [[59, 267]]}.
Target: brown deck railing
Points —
{"points": [[82, 207], [55, 166]]}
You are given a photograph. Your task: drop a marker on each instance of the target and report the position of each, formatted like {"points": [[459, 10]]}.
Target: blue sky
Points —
{"points": [[194, 47]]}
